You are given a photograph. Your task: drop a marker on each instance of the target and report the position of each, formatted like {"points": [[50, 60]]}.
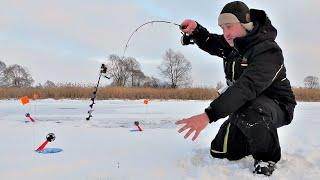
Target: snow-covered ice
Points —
{"points": [[105, 148]]}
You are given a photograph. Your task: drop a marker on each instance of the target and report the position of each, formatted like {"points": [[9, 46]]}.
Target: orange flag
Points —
{"points": [[24, 100], [146, 101]]}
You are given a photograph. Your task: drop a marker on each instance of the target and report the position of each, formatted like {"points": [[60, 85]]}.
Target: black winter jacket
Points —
{"points": [[253, 67]]}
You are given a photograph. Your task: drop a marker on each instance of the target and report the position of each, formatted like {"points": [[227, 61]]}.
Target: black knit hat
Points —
{"points": [[233, 12]]}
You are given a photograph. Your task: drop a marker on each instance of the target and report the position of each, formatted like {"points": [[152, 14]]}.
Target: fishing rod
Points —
{"points": [[103, 68], [136, 30]]}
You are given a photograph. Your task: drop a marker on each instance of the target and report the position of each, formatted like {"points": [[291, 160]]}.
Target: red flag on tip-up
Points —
{"points": [[138, 126], [29, 116]]}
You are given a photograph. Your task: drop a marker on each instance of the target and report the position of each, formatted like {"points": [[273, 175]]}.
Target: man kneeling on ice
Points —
{"points": [[259, 98]]}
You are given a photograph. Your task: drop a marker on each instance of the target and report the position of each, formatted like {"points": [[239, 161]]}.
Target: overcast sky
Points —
{"points": [[67, 40]]}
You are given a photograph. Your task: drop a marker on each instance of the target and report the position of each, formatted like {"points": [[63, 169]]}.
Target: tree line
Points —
{"points": [[14, 76], [175, 71]]}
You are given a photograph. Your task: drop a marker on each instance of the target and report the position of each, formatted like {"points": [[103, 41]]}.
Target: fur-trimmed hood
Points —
{"points": [[263, 30]]}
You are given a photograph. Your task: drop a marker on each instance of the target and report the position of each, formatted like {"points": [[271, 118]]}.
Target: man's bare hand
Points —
{"points": [[195, 123]]}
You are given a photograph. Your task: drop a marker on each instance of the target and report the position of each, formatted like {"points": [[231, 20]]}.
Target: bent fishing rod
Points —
{"points": [[103, 68]]}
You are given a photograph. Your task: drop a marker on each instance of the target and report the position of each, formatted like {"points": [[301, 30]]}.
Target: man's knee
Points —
{"points": [[257, 114], [256, 123]]}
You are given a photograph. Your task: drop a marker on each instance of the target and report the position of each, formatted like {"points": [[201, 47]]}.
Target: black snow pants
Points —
{"points": [[252, 130]]}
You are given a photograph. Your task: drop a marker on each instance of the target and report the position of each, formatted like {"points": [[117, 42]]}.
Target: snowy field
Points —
{"points": [[106, 148]]}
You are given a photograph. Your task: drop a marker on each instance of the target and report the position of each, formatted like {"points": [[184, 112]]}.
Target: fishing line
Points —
{"points": [[103, 68], [136, 30]]}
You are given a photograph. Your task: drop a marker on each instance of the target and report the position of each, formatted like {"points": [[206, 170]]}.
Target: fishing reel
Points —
{"points": [[186, 39]]}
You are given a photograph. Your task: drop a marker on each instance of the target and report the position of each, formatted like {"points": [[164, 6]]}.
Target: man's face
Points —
{"points": [[232, 31]]}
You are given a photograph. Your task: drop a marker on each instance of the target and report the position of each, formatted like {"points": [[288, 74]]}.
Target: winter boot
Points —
{"points": [[265, 168]]}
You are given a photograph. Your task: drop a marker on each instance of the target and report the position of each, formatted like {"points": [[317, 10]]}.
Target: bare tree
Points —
{"points": [[39, 85], [311, 82], [16, 76], [2, 68], [125, 71], [152, 82], [134, 69], [49, 84], [140, 78], [118, 70], [176, 68]]}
